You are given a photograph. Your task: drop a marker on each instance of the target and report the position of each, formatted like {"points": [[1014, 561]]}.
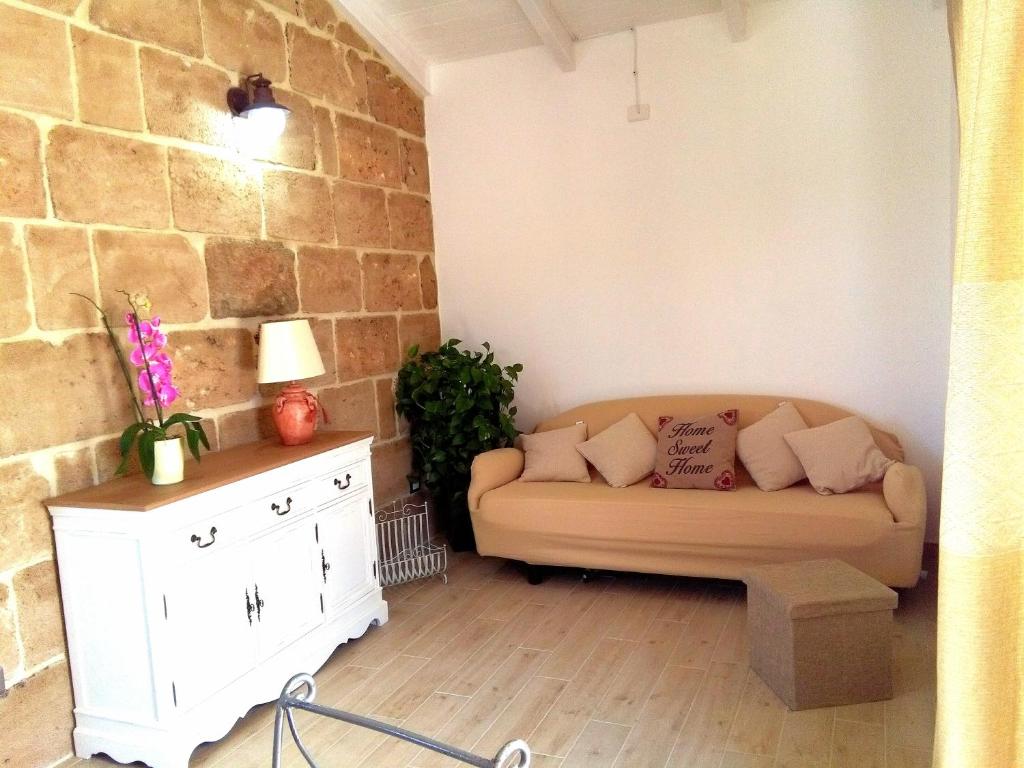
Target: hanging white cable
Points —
{"points": [[637, 111], [636, 66]]}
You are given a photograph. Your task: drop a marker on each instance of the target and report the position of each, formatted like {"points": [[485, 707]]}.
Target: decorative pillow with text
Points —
{"points": [[696, 453]]}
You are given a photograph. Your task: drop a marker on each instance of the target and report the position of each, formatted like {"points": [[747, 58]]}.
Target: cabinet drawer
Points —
{"points": [[342, 483], [220, 531]]}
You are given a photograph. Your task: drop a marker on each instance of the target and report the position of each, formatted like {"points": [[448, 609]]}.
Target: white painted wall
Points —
{"points": [[782, 224]]}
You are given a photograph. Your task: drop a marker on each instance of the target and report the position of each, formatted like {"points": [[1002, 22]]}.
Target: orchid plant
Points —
{"points": [[156, 390]]}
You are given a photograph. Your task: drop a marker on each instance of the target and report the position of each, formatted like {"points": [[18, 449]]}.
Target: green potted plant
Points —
{"points": [[458, 404]]}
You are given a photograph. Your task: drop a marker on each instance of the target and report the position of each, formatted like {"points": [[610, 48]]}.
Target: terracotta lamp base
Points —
{"points": [[295, 411]]}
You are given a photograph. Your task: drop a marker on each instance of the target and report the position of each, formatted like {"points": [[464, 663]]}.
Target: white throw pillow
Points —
{"points": [[763, 449], [623, 453], [552, 456], [840, 456]]}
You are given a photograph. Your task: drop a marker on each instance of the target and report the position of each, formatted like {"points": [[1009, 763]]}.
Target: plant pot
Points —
{"points": [[456, 521], [168, 461]]}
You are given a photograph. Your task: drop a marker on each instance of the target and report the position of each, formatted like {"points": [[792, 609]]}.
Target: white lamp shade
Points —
{"points": [[266, 122], [288, 352]]}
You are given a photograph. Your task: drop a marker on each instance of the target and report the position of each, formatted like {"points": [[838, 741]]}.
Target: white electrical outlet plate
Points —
{"points": [[637, 112]]}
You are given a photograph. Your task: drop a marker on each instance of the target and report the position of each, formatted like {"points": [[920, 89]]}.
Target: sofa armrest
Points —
{"points": [[903, 488], [491, 470]]}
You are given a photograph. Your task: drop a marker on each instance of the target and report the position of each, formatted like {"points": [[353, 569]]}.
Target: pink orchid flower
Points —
{"points": [[154, 365]]}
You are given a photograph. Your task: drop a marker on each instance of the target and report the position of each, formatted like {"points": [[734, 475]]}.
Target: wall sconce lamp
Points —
{"points": [[255, 102]]}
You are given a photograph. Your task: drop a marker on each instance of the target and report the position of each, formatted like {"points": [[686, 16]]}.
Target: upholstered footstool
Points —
{"points": [[820, 633]]}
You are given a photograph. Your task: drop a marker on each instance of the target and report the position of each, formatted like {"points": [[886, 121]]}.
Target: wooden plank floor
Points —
{"points": [[620, 671]]}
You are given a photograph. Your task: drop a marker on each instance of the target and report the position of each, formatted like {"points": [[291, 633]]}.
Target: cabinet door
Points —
{"points": [[285, 569], [214, 641], [346, 557]]}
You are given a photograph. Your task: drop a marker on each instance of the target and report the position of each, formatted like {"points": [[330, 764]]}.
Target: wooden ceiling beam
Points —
{"points": [[551, 30]]}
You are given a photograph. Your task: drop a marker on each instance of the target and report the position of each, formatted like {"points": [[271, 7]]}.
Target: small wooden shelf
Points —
{"points": [[136, 494]]}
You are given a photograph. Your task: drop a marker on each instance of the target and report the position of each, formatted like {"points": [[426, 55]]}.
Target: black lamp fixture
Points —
{"points": [[255, 102]]}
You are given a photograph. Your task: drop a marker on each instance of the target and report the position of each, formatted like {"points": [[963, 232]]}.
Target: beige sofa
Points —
{"points": [[878, 529]]}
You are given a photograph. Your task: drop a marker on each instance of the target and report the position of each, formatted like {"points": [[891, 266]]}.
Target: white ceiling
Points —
{"points": [[420, 33], [448, 30]]}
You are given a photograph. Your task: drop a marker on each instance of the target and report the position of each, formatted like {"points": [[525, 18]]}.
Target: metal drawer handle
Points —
{"points": [[259, 604], [348, 482], [277, 507], [197, 540], [248, 606]]}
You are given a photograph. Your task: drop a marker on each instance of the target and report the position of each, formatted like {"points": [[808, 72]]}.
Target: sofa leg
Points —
{"points": [[534, 574]]}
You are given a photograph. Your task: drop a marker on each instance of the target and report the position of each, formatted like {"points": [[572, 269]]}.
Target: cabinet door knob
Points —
{"points": [[324, 565], [198, 541], [343, 486], [277, 507], [259, 604]]}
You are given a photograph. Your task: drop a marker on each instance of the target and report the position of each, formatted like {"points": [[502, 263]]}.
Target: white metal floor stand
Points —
{"points": [[406, 553], [299, 693]]}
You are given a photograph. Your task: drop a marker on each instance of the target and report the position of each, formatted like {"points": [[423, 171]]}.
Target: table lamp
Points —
{"points": [[288, 353]]}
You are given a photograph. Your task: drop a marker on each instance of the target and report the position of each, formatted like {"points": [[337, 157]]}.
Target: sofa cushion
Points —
{"points": [[696, 453], [840, 456], [552, 456], [601, 415], [765, 453], [623, 453]]}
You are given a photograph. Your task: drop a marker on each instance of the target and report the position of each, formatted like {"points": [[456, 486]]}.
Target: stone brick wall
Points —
{"points": [[119, 170]]}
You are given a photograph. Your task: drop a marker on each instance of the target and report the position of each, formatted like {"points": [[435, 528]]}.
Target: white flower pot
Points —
{"points": [[169, 461]]}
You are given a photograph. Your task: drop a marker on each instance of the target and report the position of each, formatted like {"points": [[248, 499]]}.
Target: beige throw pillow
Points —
{"points": [[765, 453], [840, 456], [623, 453], [696, 453], [552, 456]]}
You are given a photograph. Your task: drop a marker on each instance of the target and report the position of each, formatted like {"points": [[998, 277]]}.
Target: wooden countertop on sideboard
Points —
{"points": [[136, 494]]}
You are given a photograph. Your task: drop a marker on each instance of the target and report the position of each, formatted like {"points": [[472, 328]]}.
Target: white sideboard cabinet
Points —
{"points": [[186, 605]]}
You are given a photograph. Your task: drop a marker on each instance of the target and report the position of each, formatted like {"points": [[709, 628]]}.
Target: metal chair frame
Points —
{"points": [[299, 693]]}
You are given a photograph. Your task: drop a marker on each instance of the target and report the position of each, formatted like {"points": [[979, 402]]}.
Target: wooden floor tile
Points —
{"points": [[427, 719], [449, 660], [686, 593], [908, 757], [545, 761], [910, 714], [757, 725], [868, 712], [645, 602], [858, 745], [739, 760], [704, 735], [652, 738], [629, 689], [806, 739], [350, 750], [512, 600], [473, 720], [568, 716], [481, 665], [435, 635], [522, 714], [561, 618], [733, 645], [702, 631], [581, 639], [597, 746]]}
